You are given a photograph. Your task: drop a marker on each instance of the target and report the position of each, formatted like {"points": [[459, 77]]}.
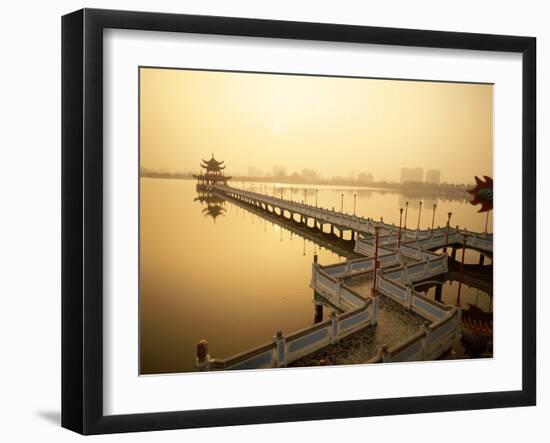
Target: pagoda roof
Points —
{"points": [[212, 163]]}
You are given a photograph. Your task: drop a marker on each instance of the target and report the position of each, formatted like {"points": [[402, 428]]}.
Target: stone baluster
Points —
{"points": [[384, 353], [333, 328], [426, 343], [280, 357], [409, 297], [338, 293], [202, 362]]}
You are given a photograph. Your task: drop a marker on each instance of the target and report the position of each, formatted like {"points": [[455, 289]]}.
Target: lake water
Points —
{"points": [[227, 275]]}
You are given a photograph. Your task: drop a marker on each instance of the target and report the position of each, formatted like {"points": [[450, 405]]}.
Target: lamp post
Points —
{"points": [[487, 222], [342, 202], [376, 231], [399, 235], [447, 231], [354, 203], [406, 210], [291, 193], [433, 218], [305, 196], [419, 212], [316, 195]]}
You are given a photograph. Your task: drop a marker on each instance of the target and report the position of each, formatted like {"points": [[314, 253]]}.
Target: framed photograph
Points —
{"points": [[268, 221]]}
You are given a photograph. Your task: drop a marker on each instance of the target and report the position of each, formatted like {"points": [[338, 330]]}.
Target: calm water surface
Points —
{"points": [[234, 278]]}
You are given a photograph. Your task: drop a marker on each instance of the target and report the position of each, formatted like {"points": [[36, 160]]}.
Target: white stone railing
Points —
{"points": [[410, 247], [427, 344], [285, 350], [361, 224], [443, 322], [361, 265], [442, 328]]}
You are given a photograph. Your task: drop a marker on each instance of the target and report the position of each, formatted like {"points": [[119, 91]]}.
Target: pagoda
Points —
{"points": [[212, 175]]}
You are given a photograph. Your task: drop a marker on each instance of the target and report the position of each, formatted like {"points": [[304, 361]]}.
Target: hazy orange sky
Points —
{"points": [[333, 125]]}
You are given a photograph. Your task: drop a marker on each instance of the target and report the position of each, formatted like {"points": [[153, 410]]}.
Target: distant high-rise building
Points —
{"points": [[418, 175], [364, 177], [412, 175], [433, 176]]}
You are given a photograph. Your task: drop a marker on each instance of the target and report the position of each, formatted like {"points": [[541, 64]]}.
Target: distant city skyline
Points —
{"points": [[310, 176], [334, 126]]}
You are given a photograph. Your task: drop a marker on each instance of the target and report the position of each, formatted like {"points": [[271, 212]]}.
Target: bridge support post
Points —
{"points": [[280, 358], [453, 253], [318, 313], [438, 292], [481, 259]]}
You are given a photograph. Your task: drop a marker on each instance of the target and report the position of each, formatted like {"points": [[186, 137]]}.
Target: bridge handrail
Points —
{"points": [[280, 351], [353, 218]]}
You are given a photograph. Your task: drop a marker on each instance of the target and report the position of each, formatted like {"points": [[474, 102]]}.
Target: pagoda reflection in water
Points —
{"points": [[212, 175], [215, 205]]}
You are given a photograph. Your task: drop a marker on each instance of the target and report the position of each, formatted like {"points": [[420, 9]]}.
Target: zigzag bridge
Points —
{"points": [[405, 258]]}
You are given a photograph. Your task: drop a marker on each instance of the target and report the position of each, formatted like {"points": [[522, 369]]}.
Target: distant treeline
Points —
{"points": [[165, 174]]}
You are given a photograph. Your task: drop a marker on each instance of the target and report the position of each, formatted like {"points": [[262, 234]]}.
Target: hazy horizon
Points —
{"points": [[336, 126], [270, 176]]}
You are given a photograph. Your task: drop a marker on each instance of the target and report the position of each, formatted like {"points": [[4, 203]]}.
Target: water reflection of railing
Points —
{"points": [[320, 239]]}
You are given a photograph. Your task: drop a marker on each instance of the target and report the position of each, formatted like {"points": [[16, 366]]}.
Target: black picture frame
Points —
{"points": [[82, 218]]}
